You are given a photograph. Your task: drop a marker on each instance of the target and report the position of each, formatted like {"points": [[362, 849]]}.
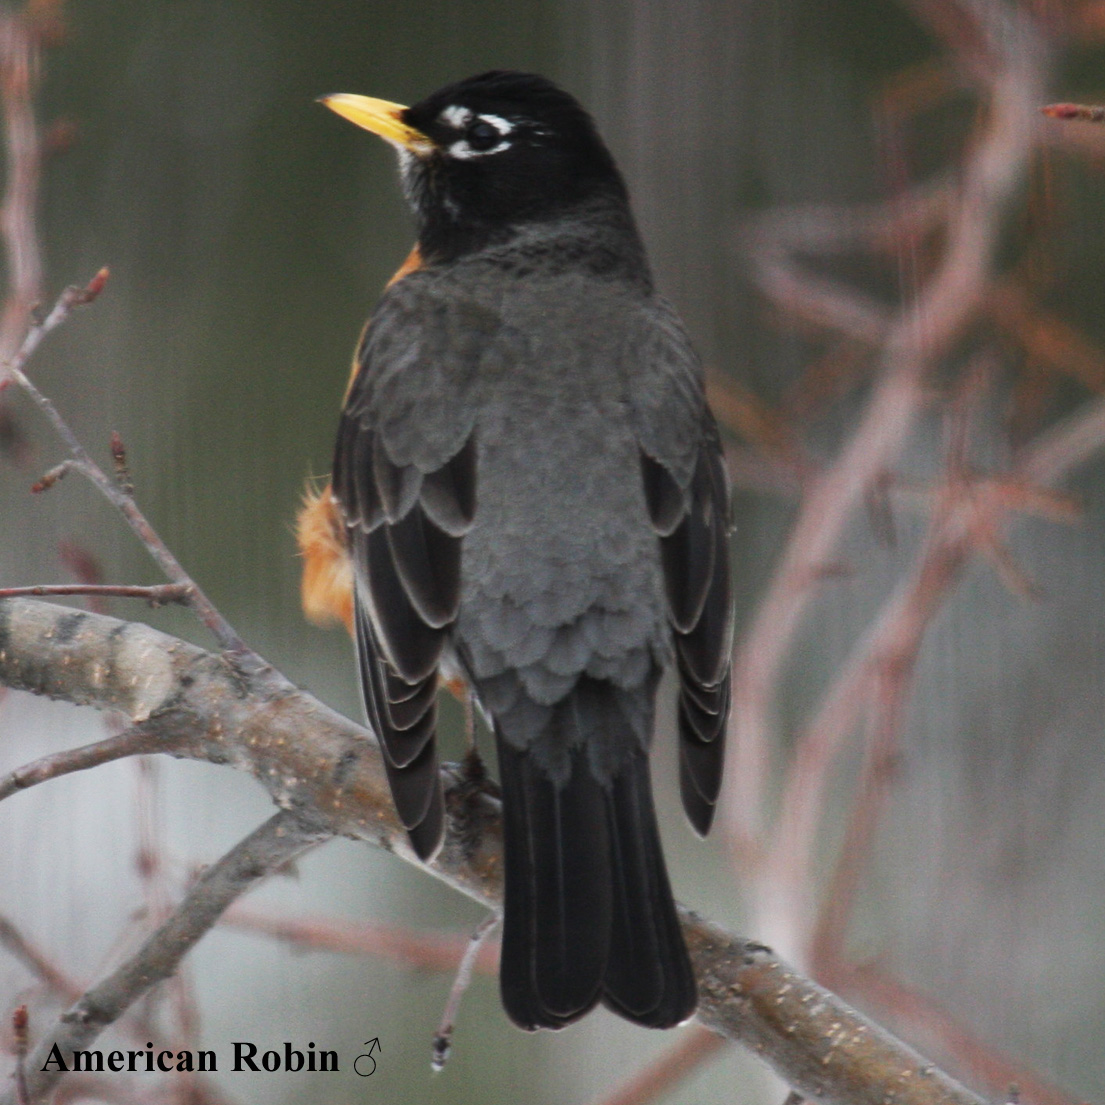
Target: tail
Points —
{"points": [[588, 910]]}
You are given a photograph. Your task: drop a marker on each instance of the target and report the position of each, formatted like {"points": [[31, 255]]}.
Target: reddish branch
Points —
{"points": [[1094, 114], [19, 75], [36, 961], [969, 512], [19, 1032], [929, 1020], [913, 341], [427, 951], [653, 1082]]}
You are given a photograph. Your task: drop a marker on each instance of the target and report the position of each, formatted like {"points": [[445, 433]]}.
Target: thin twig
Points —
{"points": [[160, 594], [20, 1025], [283, 837], [37, 962], [426, 951], [1085, 112], [443, 1039], [133, 742], [20, 73], [115, 494]]}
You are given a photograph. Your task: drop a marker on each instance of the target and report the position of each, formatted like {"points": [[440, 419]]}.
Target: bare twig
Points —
{"points": [[913, 342], [119, 461], [20, 1034], [12, 368], [1085, 112], [118, 496], [132, 742], [890, 648], [160, 594], [36, 961], [20, 72], [443, 1040], [427, 951], [280, 839]]}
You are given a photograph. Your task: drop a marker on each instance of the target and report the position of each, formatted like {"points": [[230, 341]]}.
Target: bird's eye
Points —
{"points": [[482, 136]]}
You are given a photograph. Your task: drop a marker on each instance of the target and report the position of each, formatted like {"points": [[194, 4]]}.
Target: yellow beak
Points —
{"points": [[380, 117]]}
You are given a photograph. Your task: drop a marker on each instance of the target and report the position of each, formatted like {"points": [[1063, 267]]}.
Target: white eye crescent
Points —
{"points": [[457, 117], [462, 151]]}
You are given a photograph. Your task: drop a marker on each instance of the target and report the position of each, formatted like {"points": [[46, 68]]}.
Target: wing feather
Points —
{"points": [[405, 479], [686, 494]]}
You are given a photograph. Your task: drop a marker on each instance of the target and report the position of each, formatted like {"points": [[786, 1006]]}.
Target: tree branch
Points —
{"points": [[118, 493], [133, 742], [279, 840], [914, 340], [314, 761]]}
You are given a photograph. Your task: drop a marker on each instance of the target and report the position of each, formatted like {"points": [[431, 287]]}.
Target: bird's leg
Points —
{"points": [[468, 701], [472, 767]]}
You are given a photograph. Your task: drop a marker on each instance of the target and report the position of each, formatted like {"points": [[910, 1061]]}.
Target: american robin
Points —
{"points": [[528, 492]]}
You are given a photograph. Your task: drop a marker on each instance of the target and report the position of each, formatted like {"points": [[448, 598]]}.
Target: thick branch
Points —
{"points": [[312, 760]]}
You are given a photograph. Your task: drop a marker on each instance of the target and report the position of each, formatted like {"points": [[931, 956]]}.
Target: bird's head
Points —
{"points": [[486, 155]]}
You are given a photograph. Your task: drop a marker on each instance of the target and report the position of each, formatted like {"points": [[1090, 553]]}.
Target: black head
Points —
{"points": [[484, 156]]}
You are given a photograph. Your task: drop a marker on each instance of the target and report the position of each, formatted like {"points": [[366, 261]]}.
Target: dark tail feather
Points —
{"points": [[588, 911], [649, 979], [556, 914]]}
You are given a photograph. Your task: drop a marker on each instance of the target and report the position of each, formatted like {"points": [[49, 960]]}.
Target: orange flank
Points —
{"points": [[327, 587]]}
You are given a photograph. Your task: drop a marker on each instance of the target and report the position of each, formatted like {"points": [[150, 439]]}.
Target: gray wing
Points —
{"points": [[687, 492], [404, 477]]}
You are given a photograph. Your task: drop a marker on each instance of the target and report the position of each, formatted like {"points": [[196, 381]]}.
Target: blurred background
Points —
{"points": [[248, 234]]}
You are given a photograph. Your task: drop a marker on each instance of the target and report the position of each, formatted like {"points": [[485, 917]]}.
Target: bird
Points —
{"points": [[529, 499]]}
